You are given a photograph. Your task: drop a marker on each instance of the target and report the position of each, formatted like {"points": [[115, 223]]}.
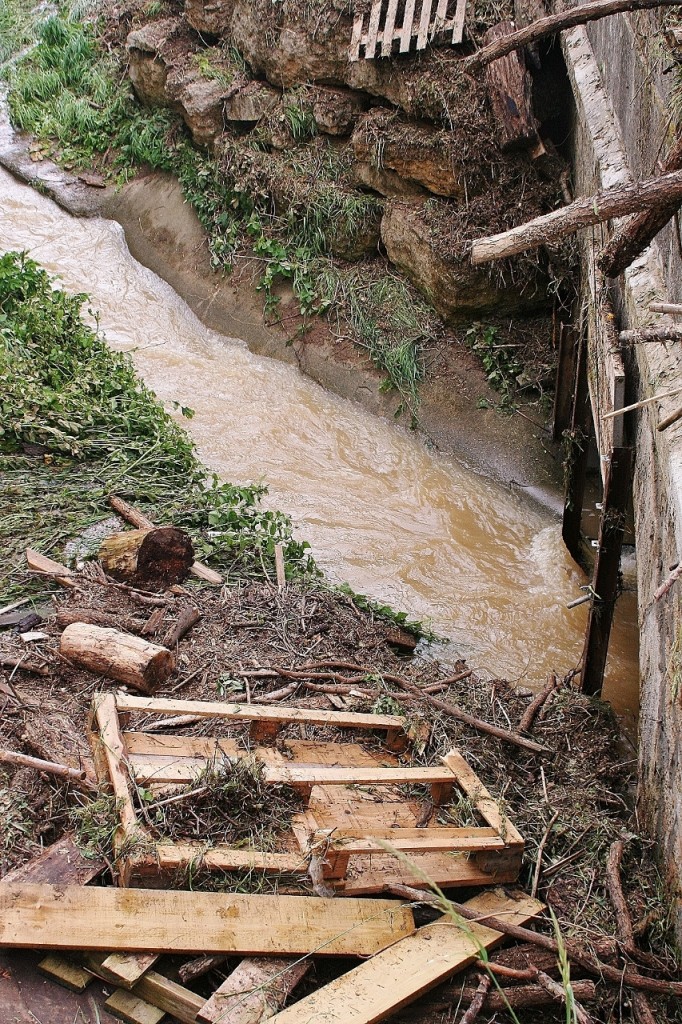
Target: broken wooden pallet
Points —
{"points": [[375, 32], [358, 827]]}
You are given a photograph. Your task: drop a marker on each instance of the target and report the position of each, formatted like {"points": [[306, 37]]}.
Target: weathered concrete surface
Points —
{"points": [[621, 126]]}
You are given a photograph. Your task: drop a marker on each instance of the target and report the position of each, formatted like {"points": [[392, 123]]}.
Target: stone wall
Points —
{"points": [[622, 129]]}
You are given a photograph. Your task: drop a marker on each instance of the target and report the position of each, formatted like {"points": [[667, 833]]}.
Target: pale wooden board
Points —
{"points": [[354, 53], [389, 26], [416, 840], [152, 769], [458, 23], [406, 32], [257, 712], [125, 969], [484, 803], [110, 746], [133, 1009], [177, 856], [65, 972], [157, 921], [372, 30], [424, 22], [257, 988], [398, 975], [368, 874], [147, 743]]}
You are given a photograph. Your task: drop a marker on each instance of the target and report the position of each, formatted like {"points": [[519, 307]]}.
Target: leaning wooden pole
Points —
{"points": [[633, 238], [556, 23], [606, 569], [550, 227]]}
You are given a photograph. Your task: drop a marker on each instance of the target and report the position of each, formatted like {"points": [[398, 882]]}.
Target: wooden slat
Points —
{"points": [[419, 840], [157, 745], [441, 14], [110, 743], [368, 874], [458, 24], [133, 1009], [424, 22], [484, 803], [398, 975], [372, 30], [176, 856], [257, 988], [158, 921], [125, 969], [254, 712], [354, 53], [175, 999], [147, 770], [406, 31], [389, 26]]}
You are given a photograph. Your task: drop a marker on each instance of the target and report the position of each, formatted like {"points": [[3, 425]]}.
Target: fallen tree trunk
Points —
{"points": [[550, 227], [128, 659], [136, 518], [556, 23], [632, 239], [509, 90], [159, 555]]}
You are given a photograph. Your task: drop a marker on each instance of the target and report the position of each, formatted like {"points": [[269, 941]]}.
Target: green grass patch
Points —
{"points": [[78, 424]]}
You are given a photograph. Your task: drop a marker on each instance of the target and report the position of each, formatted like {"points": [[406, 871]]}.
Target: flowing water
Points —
{"points": [[484, 566]]}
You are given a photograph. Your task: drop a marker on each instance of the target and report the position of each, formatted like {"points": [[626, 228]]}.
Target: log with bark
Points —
{"points": [[551, 227], [508, 86], [555, 23], [160, 555], [632, 239], [108, 652]]}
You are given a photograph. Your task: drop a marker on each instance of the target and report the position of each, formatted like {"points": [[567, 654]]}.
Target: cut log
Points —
{"points": [[136, 518], [176, 921], [632, 239], [107, 652], [162, 555], [256, 990], [95, 617], [509, 90], [610, 202], [556, 23]]}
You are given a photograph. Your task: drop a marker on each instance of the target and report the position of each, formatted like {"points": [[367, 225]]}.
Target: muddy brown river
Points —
{"points": [[485, 567]]}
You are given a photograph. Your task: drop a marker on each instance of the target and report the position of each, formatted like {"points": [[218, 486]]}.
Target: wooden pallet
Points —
{"points": [[376, 31], [358, 827]]}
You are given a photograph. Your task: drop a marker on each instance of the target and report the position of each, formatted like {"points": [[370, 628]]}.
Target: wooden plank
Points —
{"points": [[354, 52], [399, 975], [482, 800], [125, 969], [159, 770], [424, 22], [368, 875], [257, 988], [253, 712], [132, 1009], [419, 840], [389, 26], [158, 921], [47, 566], [111, 746], [176, 856], [406, 32], [372, 30], [156, 745], [61, 863], [65, 972], [458, 23], [175, 999]]}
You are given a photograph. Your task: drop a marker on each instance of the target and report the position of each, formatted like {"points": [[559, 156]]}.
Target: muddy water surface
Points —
{"points": [[484, 566]]}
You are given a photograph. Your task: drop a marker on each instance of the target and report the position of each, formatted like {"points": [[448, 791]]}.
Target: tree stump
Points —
{"points": [[160, 555], [107, 652]]}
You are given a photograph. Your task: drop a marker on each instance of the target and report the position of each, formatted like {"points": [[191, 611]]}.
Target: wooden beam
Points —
{"points": [[550, 227], [554, 23], [252, 712], [575, 457], [606, 569], [483, 801], [565, 380], [257, 988], [399, 975], [170, 997], [133, 1009], [177, 921]]}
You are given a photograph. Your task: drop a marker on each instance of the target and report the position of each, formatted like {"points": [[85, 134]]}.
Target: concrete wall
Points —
{"points": [[623, 101]]}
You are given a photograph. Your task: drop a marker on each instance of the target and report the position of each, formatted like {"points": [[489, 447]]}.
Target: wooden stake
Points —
{"points": [[606, 568], [556, 23], [672, 308], [550, 227], [642, 404], [578, 440], [565, 380], [279, 566]]}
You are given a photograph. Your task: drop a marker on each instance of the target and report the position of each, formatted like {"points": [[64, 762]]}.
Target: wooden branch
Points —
{"points": [[95, 617], [559, 994], [478, 999], [136, 518], [672, 308], [642, 404], [121, 656], [60, 770], [669, 420], [198, 968], [556, 23], [665, 587], [24, 665], [650, 334], [188, 617], [632, 239], [550, 227], [516, 996], [531, 712]]}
